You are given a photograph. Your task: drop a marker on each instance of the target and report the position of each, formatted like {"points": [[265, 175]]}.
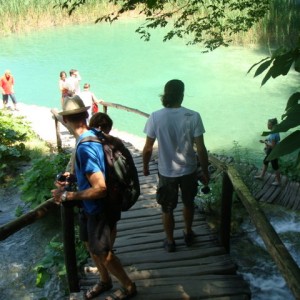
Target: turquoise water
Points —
{"points": [[123, 69]]}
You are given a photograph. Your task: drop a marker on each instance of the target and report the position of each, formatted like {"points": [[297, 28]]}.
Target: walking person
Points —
{"points": [[7, 88], [176, 129], [97, 228], [270, 142]]}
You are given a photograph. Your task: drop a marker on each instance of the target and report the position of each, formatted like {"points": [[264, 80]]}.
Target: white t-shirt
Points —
{"points": [[73, 84], [175, 130], [87, 98]]}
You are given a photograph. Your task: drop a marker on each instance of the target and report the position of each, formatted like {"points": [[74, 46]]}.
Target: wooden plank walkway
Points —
{"points": [[203, 271], [287, 194]]}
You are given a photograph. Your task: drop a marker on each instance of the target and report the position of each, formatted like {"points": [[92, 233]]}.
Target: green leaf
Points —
{"points": [[263, 67], [293, 100], [297, 64], [42, 277], [258, 63], [293, 110], [288, 145], [267, 77]]}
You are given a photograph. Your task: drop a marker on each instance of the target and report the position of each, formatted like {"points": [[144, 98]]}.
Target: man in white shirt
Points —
{"points": [[176, 129], [73, 83]]}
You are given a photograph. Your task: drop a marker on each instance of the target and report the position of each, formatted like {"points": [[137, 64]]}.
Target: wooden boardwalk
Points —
{"points": [[203, 271], [287, 194]]}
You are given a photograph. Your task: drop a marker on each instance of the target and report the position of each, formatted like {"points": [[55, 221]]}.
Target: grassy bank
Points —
{"points": [[280, 26], [18, 16]]}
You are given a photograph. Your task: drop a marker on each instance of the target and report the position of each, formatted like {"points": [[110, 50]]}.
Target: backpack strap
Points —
{"points": [[89, 138]]}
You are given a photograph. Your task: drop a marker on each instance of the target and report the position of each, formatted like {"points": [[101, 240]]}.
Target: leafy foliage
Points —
{"points": [[53, 260], [280, 63], [38, 182], [15, 131], [211, 23]]}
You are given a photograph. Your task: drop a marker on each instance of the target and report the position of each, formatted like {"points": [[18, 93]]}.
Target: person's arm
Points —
{"points": [[96, 191], [60, 85], [1, 87], [94, 99], [203, 157], [147, 153]]}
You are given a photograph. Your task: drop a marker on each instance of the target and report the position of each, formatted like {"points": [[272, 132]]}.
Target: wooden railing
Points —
{"points": [[232, 182]]}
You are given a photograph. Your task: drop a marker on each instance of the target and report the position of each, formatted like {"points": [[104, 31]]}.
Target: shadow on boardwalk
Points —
{"points": [[203, 271]]}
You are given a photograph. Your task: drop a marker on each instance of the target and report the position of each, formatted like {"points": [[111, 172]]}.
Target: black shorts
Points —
{"points": [[274, 162], [96, 230], [168, 188]]}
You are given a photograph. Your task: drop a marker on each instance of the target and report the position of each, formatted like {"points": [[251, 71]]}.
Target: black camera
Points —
{"points": [[63, 178], [70, 181]]}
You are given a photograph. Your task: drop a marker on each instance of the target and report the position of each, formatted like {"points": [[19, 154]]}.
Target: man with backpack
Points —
{"points": [[176, 129], [92, 191]]}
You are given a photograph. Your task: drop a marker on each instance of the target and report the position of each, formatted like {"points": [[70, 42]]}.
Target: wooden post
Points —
{"points": [[105, 109], [58, 138], [226, 204], [67, 217]]}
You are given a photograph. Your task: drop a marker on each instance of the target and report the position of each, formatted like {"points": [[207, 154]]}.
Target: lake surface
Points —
{"points": [[122, 68]]}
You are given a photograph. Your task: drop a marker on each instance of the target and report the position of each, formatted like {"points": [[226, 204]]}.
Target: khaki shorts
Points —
{"points": [[168, 188]]}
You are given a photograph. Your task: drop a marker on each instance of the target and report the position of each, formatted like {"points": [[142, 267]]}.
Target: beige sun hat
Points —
{"points": [[72, 106]]}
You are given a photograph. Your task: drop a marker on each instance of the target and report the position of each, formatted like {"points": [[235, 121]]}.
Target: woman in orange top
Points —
{"points": [[7, 89]]}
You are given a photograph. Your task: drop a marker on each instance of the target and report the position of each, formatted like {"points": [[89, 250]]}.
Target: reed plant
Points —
{"points": [[18, 16], [278, 27]]}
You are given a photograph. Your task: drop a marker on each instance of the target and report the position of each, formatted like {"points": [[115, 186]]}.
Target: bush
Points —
{"points": [[14, 133], [38, 181]]}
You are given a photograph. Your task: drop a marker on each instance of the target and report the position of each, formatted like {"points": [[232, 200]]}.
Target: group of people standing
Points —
{"points": [[7, 83], [70, 86]]}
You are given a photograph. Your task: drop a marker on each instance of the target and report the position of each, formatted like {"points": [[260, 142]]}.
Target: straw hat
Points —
{"points": [[72, 106]]}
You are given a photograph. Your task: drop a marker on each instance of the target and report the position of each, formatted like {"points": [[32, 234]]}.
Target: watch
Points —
{"points": [[64, 196]]}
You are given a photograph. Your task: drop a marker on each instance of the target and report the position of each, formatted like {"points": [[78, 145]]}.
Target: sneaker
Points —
{"points": [[169, 247], [258, 177], [275, 183], [188, 238]]}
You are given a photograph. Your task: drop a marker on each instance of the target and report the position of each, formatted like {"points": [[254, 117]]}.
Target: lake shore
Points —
{"points": [[42, 123]]}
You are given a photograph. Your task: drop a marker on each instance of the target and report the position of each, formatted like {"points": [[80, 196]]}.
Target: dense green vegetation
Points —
{"points": [[25, 156], [14, 133]]}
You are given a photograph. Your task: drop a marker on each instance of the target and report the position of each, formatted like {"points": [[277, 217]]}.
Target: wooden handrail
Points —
{"points": [[279, 253], [40, 211], [123, 107]]}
